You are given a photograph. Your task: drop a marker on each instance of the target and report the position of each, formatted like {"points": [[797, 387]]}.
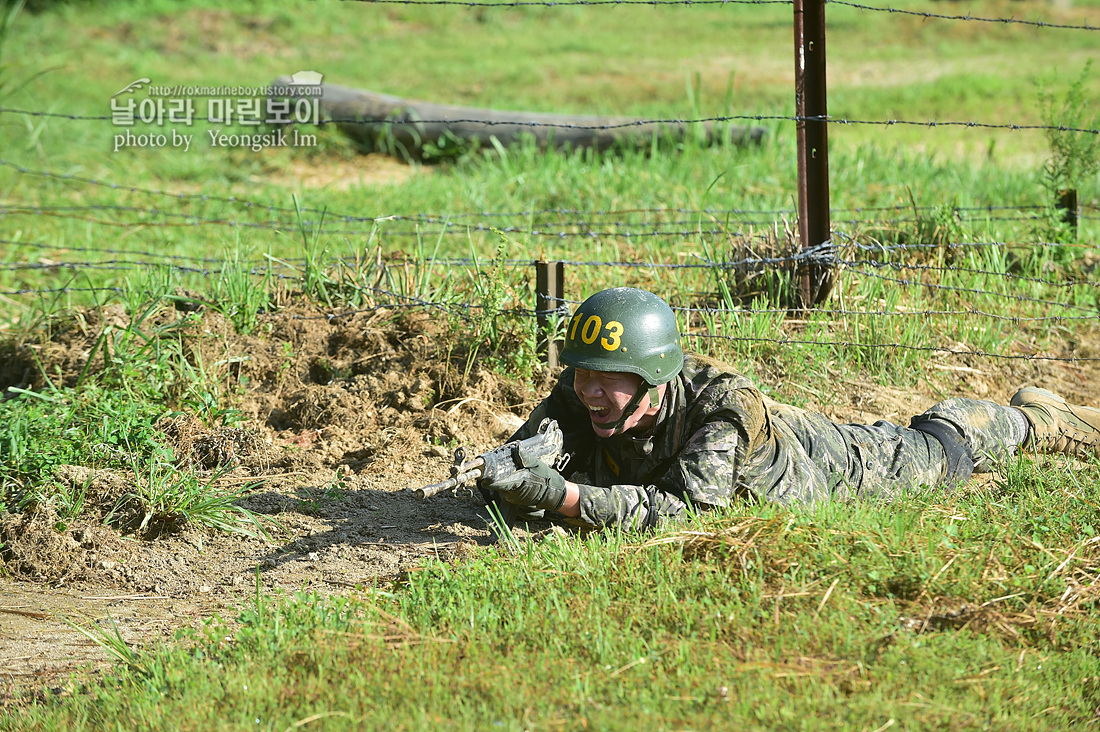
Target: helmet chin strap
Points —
{"points": [[631, 407]]}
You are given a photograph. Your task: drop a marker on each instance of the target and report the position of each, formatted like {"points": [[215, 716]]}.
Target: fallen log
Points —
{"points": [[418, 129]]}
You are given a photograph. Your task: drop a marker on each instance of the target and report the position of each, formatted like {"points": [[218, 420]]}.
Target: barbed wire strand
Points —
{"points": [[976, 291], [569, 3], [726, 265], [585, 228], [968, 17], [131, 265], [735, 313], [899, 346], [1009, 276], [598, 3], [454, 219], [674, 121]]}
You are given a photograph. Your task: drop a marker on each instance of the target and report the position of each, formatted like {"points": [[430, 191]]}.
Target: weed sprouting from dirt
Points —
{"points": [[170, 498], [113, 643], [490, 293], [238, 294]]}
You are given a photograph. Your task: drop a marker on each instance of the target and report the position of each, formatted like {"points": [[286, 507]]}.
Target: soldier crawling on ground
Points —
{"points": [[651, 431]]}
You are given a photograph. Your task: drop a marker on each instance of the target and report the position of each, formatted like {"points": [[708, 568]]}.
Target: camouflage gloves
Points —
{"points": [[536, 485]]}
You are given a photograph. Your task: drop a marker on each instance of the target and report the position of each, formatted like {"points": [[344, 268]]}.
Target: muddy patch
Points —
{"points": [[342, 174], [341, 415]]}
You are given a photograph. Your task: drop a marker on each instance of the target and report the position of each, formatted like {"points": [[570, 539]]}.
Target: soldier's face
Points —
{"points": [[607, 393]]}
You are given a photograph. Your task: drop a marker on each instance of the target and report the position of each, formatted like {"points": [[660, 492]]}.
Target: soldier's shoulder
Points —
{"points": [[704, 373], [715, 390]]}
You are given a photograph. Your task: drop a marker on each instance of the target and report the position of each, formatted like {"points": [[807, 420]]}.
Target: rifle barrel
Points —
{"points": [[430, 490]]}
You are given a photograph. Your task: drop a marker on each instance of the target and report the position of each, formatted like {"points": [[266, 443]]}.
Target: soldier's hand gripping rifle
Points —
{"points": [[544, 445]]}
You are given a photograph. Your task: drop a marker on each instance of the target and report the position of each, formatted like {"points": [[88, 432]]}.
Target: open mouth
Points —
{"points": [[599, 415]]}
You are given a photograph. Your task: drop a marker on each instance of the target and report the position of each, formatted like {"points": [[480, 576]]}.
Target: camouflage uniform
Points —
{"points": [[718, 437]]}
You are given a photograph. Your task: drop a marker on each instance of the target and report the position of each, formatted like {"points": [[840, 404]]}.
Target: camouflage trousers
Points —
{"points": [[812, 459]]}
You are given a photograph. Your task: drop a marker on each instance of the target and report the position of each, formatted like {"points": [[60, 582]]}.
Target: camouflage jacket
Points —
{"points": [[694, 453], [718, 438]]}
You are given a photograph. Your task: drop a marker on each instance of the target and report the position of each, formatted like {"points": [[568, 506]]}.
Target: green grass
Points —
{"points": [[970, 611], [985, 298], [136, 372], [843, 617]]}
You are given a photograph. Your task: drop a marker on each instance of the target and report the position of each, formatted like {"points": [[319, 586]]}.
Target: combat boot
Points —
{"points": [[1056, 425]]}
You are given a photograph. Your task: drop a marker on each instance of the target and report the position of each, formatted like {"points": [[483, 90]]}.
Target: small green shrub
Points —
{"points": [[1074, 156]]}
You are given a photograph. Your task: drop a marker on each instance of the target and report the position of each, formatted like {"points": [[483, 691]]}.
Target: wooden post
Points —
{"points": [[813, 281], [549, 286], [1067, 201]]}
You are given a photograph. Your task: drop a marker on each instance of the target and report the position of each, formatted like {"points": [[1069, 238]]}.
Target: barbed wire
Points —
{"points": [[899, 346], [991, 212], [465, 308], [968, 17], [949, 123], [720, 224], [402, 300], [907, 313], [109, 265], [181, 196], [671, 121], [584, 229], [61, 290], [451, 219], [108, 250], [684, 122], [587, 224], [597, 3], [823, 317], [250, 204], [272, 271], [568, 3], [736, 266], [1010, 276], [185, 219], [726, 265], [976, 291], [455, 219], [956, 246], [448, 228]]}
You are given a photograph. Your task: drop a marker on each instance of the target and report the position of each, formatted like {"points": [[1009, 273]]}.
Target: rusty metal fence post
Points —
{"points": [[814, 277], [549, 287]]}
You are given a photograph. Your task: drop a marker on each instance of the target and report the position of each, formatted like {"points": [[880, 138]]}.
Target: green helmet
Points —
{"points": [[625, 329]]}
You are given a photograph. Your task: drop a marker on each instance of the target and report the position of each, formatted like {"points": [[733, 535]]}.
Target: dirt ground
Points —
{"points": [[343, 415]]}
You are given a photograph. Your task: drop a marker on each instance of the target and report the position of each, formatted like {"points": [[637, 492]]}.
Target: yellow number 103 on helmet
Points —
{"points": [[625, 329]]}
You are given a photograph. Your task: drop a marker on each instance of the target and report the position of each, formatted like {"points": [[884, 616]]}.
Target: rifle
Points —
{"points": [[499, 462]]}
